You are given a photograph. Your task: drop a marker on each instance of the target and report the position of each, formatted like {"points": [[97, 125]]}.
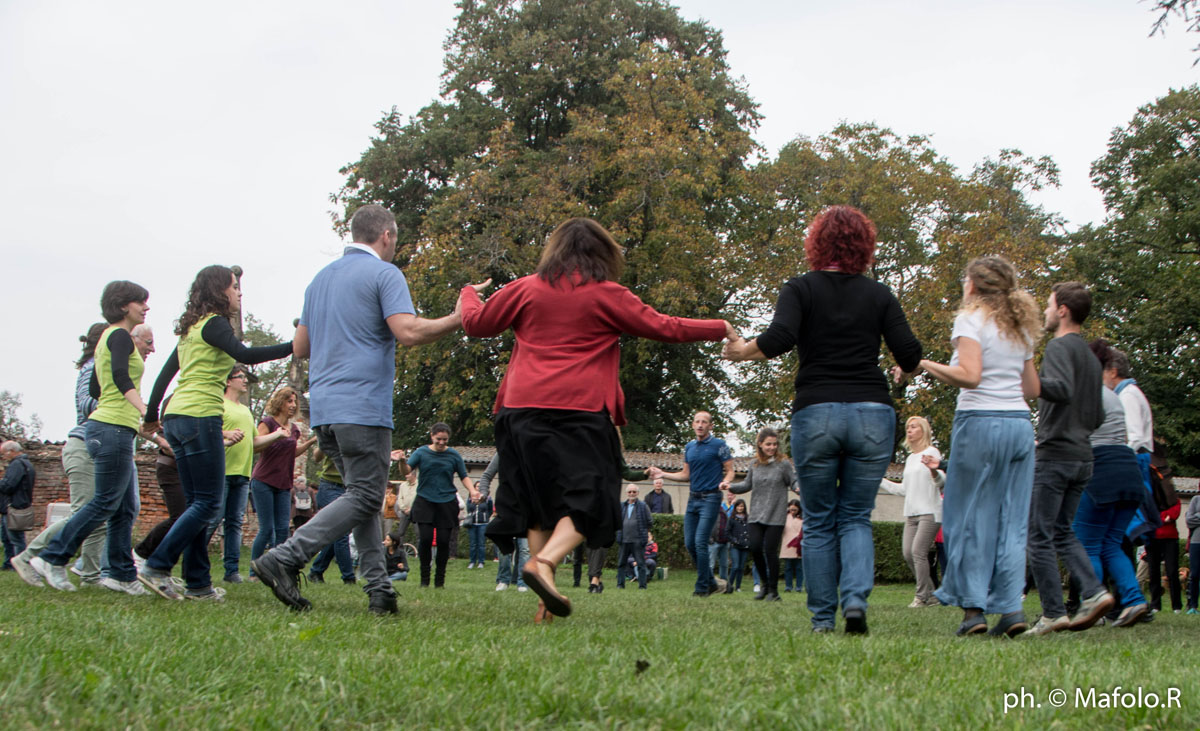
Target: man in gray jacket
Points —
{"points": [[1069, 410]]}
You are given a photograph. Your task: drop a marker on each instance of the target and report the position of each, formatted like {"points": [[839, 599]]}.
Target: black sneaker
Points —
{"points": [[351, 582], [856, 621], [283, 582], [382, 603], [233, 579], [316, 578], [599, 587]]}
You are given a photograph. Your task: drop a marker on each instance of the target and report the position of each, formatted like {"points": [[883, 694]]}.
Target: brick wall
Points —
{"points": [[51, 487]]}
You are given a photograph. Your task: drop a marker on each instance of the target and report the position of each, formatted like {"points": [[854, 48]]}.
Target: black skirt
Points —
{"points": [[423, 511], [556, 464]]}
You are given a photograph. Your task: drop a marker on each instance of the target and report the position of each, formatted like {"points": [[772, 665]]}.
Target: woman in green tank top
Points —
{"points": [[192, 423], [109, 436]]}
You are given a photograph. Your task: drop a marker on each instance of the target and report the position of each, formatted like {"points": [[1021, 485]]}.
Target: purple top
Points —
{"points": [[278, 461]]}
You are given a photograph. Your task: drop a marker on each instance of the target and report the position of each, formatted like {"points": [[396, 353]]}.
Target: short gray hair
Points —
{"points": [[140, 331], [1118, 360], [10, 446], [371, 222]]}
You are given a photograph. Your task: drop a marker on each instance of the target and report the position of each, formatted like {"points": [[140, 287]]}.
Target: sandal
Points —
{"points": [[556, 603], [541, 616]]}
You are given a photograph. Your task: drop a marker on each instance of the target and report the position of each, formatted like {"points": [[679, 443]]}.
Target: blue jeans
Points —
{"points": [[327, 492], [1101, 528], [200, 459], [698, 521], [273, 508], [737, 565], [718, 559], [232, 510], [841, 451], [985, 513], [478, 552], [115, 501], [14, 541], [793, 574], [507, 570]]}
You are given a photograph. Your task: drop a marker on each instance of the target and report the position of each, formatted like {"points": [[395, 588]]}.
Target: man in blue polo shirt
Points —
{"points": [[707, 462], [355, 310]]}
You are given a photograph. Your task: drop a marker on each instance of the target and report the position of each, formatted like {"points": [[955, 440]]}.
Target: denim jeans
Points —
{"points": [[1057, 488], [508, 571], [737, 565], [327, 492], [841, 451], [273, 508], [793, 574], [636, 552], [718, 559], [15, 539], [81, 475], [200, 460], [478, 553], [985, 513], [9, 553], [1101, 528], [698, 519], [232, 512], [361, 456], [115, 500]]}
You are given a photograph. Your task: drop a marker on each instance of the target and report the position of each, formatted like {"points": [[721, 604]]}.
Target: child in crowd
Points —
{"points": [[395, 557], [739, 545], [789, 551]]}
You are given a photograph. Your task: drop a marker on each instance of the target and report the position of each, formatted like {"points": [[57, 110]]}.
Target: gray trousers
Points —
{"points": [[81, 476], [361, 456], [1057, 488], [919, 532]]}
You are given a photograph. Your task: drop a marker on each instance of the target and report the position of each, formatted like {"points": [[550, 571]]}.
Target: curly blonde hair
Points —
{"points": [[997, 293]]}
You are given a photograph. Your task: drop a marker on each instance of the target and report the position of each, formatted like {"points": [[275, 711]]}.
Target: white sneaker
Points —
{"points": [[133, 588], [501, 586], [25, 571], [215, 596], [757, 589], [138, 562], [55, 576], [522, 588]]}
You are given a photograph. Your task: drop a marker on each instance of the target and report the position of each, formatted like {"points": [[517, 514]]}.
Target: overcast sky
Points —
{"points": [[145, 140]]}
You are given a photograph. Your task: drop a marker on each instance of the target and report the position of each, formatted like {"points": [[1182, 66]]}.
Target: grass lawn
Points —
{"points": [[468, 656]]}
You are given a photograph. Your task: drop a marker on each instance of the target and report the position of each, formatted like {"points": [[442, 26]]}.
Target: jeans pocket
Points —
{"points": [[811, 422], [877, 423]]}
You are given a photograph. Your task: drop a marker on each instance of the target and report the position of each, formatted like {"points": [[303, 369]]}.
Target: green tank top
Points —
{"points": [[203, 370], [113, 407], [239, 458]]}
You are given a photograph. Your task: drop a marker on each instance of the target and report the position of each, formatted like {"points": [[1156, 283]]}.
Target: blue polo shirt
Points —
{"points": [[352, 367], [706, 462]]}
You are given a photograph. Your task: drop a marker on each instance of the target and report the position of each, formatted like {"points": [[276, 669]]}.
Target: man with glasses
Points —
{"points": [[635, 532]]}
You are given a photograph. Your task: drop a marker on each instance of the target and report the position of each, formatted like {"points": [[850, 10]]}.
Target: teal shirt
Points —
{"points": [[435, 481]]}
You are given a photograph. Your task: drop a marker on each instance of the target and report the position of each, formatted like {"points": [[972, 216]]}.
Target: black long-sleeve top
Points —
{"points": [[120, 347], [835, 321], [218, 333]]}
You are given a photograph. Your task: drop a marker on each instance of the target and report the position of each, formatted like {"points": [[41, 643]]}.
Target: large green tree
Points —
{"points": [[1145, 260], [931, 221], [616, 109]]}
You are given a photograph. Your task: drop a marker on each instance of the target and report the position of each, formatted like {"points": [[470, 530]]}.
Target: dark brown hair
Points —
{"points": [[206, 297], [117, 295], [90, 341], [580, 245], [1076, 298]]}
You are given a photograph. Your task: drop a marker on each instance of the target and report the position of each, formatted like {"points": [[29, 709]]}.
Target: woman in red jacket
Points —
{"points": [[1164, 547], [560, 401]]}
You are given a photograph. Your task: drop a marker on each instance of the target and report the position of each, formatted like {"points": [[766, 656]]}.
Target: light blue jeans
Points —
{"points": [[511, 564], [698, 519], [985, 513], [841, 451]]}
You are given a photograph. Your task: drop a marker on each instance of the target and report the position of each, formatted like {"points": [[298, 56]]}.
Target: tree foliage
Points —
{"points": [[618, 110], [1144, 263], [931, 221], [12, 426], [1188, 10]]}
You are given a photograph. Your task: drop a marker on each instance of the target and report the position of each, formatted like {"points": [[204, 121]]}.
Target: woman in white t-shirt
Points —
{"points": [[921, 488], [990, 477]]}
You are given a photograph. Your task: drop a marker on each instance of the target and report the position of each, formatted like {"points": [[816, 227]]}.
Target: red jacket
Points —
{"points": [[1169, 529], [567, 349]]}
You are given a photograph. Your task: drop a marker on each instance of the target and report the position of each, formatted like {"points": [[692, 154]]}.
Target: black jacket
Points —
{"points": [[16, 487]]}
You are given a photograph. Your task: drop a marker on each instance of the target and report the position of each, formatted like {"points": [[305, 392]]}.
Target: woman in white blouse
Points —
{"points": [[921, 489], [990, 478]]}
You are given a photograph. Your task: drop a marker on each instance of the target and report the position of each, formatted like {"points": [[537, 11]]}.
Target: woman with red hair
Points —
{"points": [[842, 416]]}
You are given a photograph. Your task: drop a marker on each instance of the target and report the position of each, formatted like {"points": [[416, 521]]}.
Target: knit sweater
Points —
{"points": [[772, 484]]}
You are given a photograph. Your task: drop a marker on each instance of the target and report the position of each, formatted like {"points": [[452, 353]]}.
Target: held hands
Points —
{"points": [[929, 461], [476, 495], [149, 429], [233, 436], [478, 290], [398, 455], [655, 473]]}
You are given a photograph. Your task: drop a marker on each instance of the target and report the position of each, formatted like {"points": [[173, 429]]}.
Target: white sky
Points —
{"points": [[145, 140]]}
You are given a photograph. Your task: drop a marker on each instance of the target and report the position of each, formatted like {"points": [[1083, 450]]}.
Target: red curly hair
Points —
{"points": [[842, 237]]}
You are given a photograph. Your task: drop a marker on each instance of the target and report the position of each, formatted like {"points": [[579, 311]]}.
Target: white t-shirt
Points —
{"points": [[1003, 362]]}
